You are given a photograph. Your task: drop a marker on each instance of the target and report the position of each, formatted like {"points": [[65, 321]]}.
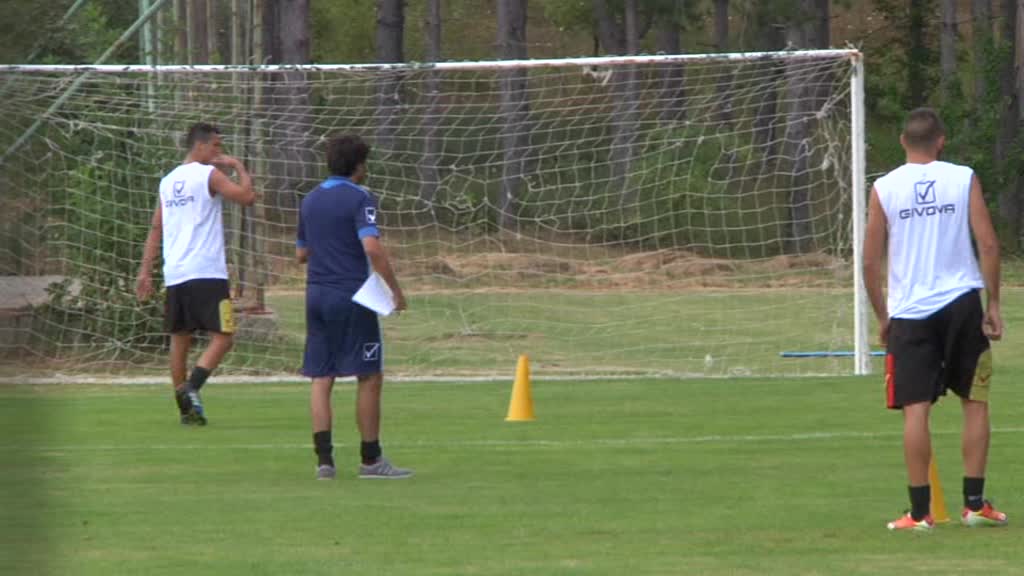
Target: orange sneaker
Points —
{"points": [[907, 522], [987, 516]]}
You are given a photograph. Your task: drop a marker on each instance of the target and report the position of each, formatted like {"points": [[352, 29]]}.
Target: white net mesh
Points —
{"points": [[648, 216]]}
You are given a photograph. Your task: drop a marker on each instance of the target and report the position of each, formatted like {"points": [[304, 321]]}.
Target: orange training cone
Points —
{"points": [[939, 512], [520, 408]]}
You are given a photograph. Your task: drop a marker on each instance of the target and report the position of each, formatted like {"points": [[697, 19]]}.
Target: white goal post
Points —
{"points": [[678, 215]]}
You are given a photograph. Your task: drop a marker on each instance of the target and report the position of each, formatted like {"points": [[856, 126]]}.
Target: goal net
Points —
{"points": [[656, 215]]}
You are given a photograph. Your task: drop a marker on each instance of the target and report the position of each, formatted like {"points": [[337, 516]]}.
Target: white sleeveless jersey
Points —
{"points": [[193, 223], [931, 257]]}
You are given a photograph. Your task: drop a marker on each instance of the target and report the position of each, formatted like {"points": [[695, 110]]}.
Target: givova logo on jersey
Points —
{"points": [[924, 198], [179, 198]]}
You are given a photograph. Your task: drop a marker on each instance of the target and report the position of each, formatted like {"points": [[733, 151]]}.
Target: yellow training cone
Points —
{"points": [[939, 512], [520, 408]]}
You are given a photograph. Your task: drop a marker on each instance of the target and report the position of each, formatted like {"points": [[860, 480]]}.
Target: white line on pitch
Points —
{"points": [[510, 444]]}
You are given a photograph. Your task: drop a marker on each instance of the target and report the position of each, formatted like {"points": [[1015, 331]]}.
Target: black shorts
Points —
{"points": [[945, 351], [200, 304]]}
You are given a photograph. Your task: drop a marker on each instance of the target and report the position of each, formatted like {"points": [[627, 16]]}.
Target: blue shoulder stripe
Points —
{"points": [[366, 231]]}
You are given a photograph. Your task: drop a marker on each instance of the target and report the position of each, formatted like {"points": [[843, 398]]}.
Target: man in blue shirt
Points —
{"points": [[339, 239]]}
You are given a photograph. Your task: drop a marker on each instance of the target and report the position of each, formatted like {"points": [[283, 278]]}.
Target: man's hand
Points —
{"points": [[400, 303], [226, 164], [143, 287], [992, 326], [883, 331]]}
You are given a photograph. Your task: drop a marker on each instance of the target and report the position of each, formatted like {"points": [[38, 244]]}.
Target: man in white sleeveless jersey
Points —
{"points": [[933, 325], [189, 222]]}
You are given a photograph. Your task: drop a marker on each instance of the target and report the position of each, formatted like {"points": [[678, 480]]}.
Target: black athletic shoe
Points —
{"points": [[193, 418], [196, 413]]}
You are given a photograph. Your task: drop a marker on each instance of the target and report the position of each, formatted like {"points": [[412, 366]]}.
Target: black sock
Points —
{"points": [[974, 493], [323, 448], [184, 404], [920, 501], [198, 378], [370, 451]]}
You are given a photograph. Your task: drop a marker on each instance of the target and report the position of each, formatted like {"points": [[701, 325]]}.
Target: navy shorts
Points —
{"points": [[342, 337]]}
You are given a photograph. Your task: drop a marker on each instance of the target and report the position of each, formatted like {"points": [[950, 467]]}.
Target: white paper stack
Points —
{"points": [[375, 295]]}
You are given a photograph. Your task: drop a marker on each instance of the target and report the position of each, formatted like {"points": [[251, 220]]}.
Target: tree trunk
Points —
{"points": [[722, 25], [610, 32], [390, 30], [981, 13], [295, 31], [819, 37], [432, 150], [823, 30], [917, 53], [515, 108], [725, 101], [240, 216], [671, 96], [948, 51], [212, 29], [390, 49], [1018, 58], [800, 103], [770, 35], [271, 18], [631, 19], [198, 37], [1012, 90], [1018, 51], [260, 155], [235, 55], [288, 119], [181, 53], [626, 97]]}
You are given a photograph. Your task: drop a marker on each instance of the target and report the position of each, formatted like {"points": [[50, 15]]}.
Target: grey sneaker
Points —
{"points": [[325, 472], [382, 469]]}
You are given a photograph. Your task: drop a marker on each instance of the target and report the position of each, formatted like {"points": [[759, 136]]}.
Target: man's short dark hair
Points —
{"points": [[200, 132], [345, 154], [923, 129]]}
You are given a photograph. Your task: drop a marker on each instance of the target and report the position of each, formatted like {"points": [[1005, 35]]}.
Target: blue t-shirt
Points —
{"points": [[333, 220]]}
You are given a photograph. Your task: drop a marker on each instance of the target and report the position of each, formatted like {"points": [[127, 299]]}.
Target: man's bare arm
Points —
{"points": [[242, 192], [875, 234], [988, 253], [144, 280], [382, 265]]}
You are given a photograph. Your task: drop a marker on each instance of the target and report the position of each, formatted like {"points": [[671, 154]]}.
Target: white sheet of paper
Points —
{"points": [[375, 295]]}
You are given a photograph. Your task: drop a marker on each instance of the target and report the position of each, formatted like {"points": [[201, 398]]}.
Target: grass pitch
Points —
{"points": [[721, 476]]}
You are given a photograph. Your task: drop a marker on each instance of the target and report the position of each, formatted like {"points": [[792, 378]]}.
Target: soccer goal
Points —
{"points": [[648, 215]]}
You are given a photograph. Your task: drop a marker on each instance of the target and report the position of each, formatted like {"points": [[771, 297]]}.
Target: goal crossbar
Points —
{"points": [[442, 66]]}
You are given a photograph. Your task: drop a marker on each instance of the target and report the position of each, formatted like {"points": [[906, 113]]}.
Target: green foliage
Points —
{"points": [[689, 198], [81, 40], [343, 30], [569, 14], [904, 66], [102, 212], [974, 127], [973, 121]]}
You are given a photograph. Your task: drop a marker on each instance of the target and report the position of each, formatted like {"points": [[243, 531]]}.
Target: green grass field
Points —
{"points": [[593, 332], [718, 476], [744, 476]]}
